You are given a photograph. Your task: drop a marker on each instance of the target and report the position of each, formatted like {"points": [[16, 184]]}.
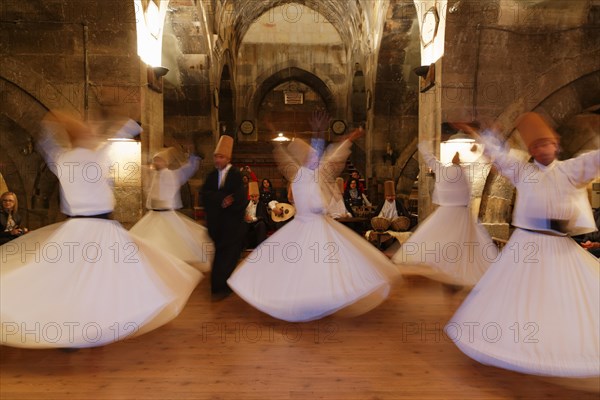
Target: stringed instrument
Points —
{"points": [[287, 212]]}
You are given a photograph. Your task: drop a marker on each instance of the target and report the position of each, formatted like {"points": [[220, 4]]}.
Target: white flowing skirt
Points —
{"points": [[311, 268], [536, 310], [87, 282], [449, 246], [178, 235]]}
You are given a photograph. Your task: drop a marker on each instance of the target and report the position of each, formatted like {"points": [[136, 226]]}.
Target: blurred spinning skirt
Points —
{"points": [[449, 247], [87, 282], [178, 235], [313, 267], [536, 310]]}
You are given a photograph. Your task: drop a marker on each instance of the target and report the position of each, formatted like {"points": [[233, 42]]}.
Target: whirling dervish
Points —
{"points": [[86, 282], [162, 225], [314, 266]]}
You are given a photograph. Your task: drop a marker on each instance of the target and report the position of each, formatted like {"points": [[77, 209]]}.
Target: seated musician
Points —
{"points": [[393, 209], [256, 218]]}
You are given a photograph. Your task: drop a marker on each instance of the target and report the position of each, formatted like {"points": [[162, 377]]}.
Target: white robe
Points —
{"points": [[449, 246], [537, 309], [86, 282], [170, 230], [314, 266]]}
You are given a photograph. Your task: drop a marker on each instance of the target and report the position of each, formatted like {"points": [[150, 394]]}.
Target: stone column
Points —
{"points": [[430, 127]]}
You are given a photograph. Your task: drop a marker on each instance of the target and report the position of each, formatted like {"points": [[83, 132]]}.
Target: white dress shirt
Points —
{"points": [[251, 211], [223, 175]]}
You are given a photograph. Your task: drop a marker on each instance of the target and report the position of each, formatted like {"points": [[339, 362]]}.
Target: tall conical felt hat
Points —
{"points": [[339, 181], [166, 154], [76, 129], [253, 188], [225, 146], [456, 158], [533, 127], [173, 157], [300, 150], [389, 189]]}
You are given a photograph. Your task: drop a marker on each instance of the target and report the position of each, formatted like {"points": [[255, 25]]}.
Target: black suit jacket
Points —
{"points": [[224, 224], [4, 221], [261, 211]]}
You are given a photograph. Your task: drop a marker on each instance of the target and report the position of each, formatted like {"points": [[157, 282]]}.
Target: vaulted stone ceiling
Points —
{"points": [[217, 27], [201, 36], [205, 36], [502, 57], [194, 22], [344, 15], [381, 36]]}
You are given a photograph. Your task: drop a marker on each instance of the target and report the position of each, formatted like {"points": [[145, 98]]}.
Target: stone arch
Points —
{"points": [[288, 74], [409, 169], [581, 131], [35, 85], [546, 95], [24, 170], [359, 98], [10, 173], [549, 82], [226, 102], [26, 96]]}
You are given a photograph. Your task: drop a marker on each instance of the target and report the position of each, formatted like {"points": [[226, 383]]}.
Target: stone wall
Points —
{"points": [[79, 56], [505, 59], [260, 61]]}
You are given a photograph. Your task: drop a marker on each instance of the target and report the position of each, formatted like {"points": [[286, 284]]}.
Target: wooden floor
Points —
{"points": [[227, 350]]}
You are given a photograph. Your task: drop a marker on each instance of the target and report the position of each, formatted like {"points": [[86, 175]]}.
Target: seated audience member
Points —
{"points": [[352, 195], [256, 218], [591, 241], [267, 192], [10, 219], [355, 175]]}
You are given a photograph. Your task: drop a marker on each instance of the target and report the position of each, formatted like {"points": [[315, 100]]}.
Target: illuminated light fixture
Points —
{"points": [[125, 155], [281, 138], [149, 20], [462, 143]]}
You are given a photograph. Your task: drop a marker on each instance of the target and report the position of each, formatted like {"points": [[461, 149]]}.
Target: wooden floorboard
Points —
{"points": [[228, 350]]}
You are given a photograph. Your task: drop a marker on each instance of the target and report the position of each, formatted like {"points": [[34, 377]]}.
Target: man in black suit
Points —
{"points": [[225, 200]]}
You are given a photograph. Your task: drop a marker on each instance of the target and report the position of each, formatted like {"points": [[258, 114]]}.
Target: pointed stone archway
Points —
{"points": [[292, 74], [224, 99]]}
